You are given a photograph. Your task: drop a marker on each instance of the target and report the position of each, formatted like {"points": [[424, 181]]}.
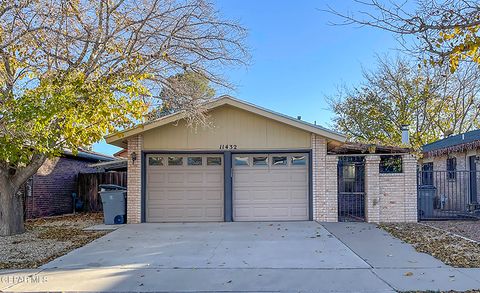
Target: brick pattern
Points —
{"points": [[135, 144], [331, 185], [324, 195], [52, 186], [395, 194], [372, 189]]}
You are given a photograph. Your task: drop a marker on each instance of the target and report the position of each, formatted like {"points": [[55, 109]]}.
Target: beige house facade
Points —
{"points": [[251, 164]]}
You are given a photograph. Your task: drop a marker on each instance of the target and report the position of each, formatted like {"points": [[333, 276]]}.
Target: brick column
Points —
{"points": [[372, 189], [324, 181], [410, 172], [331, 186], [134, 181], [319, 150]]}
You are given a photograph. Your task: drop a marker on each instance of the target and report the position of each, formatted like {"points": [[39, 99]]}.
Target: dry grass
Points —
{"points": [[450, 249], [46, 239]]}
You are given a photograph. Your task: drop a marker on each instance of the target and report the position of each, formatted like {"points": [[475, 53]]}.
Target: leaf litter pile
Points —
{"points": [[46, 239], [452, 250]]}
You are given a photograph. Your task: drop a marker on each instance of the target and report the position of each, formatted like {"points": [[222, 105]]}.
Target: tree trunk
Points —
{"points": [[11, 209]]}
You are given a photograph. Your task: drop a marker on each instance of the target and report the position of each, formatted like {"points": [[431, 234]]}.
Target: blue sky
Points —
{"points": [[298, 59]]}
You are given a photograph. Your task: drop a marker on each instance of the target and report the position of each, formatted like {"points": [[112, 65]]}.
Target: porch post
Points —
{"points": [[372, 189], [331, 186], [410, 170]]}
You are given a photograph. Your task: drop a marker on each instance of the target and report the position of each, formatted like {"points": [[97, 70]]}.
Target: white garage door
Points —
{"points": [[270, 187], [184, 188]]}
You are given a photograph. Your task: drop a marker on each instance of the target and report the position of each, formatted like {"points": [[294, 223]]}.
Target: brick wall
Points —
{"points": [[454, 193], [391, 197], [52, 187], [324, 181], [135, 144], [372, 189]]}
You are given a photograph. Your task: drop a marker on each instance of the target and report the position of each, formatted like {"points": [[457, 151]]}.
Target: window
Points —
{"points": [[451, 168], [299, 160], [194, 161], [279, 161], [427, 174], [214, 161], [241, 161], [260, 161], [155, 161], [175, 161], [391, 164]]}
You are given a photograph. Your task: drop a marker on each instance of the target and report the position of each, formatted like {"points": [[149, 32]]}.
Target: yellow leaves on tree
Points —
{"points": [[460, 44]]}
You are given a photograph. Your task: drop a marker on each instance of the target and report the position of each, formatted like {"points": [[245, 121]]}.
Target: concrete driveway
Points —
{"points": [[286, 256]]}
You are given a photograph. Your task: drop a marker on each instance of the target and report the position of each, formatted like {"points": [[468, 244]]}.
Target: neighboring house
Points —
{"points": [[49, 191], [451, 165], [254, 164], [121, 154]]}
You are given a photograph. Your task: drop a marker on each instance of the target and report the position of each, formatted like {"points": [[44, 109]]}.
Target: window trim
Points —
{"points": [[241, 165], [382, 168], [213, 157], [181, 159], [160, 159], [263, 159], [451, 172], [272, 163], [195, 157], [304, 160]]}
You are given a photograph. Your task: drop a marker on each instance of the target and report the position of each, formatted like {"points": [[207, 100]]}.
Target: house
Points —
{"points": [[121, 154], [451, 167], [456, 152], [253, 164], [49, 191]]}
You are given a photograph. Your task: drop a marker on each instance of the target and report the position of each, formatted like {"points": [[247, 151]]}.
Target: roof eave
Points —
{"points": [[118, 138]]}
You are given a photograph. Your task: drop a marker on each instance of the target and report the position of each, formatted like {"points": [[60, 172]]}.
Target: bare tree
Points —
{"points": [[441, 30], [430, 99], [72, 70]]}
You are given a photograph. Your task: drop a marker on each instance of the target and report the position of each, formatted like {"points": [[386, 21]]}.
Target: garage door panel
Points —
{"points": [[299, 211], [185, 193], [195, 178], [270, 193], [214, 177], [242, 196], [242, 177], [280, 176], [214, 195], [299, 177], [213, 212]]}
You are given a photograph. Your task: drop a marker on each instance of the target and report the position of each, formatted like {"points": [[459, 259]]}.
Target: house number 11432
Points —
{"points": [[228, 146]]}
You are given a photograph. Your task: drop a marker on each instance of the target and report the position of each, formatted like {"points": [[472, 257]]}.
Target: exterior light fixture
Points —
{"points": [[133, 156]]}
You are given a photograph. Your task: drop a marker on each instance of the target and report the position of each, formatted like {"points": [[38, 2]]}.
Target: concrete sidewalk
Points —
{"points": [[398, 264], [248, 257]]}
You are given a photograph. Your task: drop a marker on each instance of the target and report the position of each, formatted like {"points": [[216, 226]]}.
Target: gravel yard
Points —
{"points": [[450, 249], [469, 229], [46, 239]]}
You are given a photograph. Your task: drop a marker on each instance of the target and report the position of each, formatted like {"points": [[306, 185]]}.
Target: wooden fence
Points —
{"points": [[88, 187]]}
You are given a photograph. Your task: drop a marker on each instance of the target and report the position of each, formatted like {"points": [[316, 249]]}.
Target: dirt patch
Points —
{"points": [[46, 239], [469, 229], [450, 249]]}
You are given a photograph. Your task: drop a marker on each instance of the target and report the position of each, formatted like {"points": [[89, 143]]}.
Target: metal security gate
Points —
{"points": [[447, 195], [351, 189]]}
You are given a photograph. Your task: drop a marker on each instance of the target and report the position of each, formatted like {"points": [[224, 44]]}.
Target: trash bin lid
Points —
{"points": [[111, 187]]}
